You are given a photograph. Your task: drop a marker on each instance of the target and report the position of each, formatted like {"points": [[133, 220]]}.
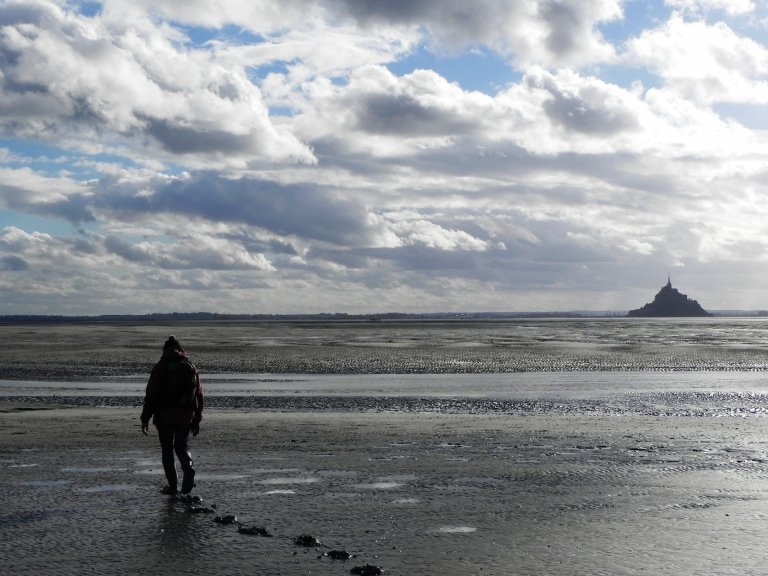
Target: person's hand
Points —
{"points": [[144, 428], [195, 428]]}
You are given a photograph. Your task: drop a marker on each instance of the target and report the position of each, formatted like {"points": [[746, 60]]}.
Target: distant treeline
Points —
{"points": [[340, 317]]}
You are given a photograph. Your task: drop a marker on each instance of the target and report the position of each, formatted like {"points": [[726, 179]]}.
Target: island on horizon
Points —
{"points": [[669, 302]]}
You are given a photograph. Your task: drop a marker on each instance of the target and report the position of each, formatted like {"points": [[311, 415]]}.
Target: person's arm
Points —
{"points": [[150, 400], [199, 403]]}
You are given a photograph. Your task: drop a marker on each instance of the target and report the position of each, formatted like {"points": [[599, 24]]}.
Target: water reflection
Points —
{"points": [[178, 536]]}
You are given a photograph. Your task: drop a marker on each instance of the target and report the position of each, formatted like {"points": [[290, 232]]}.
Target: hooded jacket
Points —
{"points": [[173, 414]]}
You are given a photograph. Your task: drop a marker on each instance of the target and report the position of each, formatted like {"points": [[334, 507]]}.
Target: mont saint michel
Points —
{"points": [[669, 302]]}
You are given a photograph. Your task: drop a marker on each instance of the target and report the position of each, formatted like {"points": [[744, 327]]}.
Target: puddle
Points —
{"points": [[109, 488], [79, 470], [276, 470], [406, 501], [218, 477], [23, 465], [380, 486], [456, 530], [288, 480], [389, 482], [273, 492]]}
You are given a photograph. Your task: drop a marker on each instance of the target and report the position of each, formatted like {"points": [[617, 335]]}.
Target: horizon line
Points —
{"points": [[199, 315]]}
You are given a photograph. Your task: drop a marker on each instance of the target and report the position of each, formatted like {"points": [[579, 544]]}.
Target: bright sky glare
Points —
{"points": [[292, 156]]}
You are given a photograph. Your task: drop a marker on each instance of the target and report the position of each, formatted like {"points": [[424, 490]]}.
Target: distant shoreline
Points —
{"points": [[335, 317]]}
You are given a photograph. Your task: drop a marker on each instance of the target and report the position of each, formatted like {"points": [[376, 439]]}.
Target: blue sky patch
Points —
{"points": [[31, 223], [480, 69]]}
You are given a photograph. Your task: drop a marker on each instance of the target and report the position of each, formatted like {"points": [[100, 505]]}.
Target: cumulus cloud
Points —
{"points": [[129, 80], [704, 62], [546, 32], [306, 210], [586, 106], [25, 190], [421, 105], [265, 156], [194, 251], [410, 228]]}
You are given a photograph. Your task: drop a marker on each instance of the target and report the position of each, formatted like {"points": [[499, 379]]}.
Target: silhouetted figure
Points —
{"points": [[175, 398]]}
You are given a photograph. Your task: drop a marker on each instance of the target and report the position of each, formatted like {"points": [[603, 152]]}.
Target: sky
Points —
{"points": [[372, 156]]}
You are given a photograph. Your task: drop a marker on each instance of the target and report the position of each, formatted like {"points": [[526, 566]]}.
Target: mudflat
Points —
{"points": [[412, 493], [98, 350], [611, 447]]}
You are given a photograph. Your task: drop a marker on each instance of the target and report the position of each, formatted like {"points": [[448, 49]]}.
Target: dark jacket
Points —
{"points": [[170, 414]]}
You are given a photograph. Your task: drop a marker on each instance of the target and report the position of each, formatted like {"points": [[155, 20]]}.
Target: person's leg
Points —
{"points": [[185, 458], [165, 433]]}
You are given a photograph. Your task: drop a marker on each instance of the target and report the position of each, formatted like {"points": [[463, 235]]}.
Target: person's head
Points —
{"points": [[172, 344]]}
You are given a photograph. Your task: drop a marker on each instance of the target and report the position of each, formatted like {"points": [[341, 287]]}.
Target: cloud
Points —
{"points": [[586, 106], [108, 273], [731, 7], [305, 210], [542, 32], [546, 32], [13, 264], [25, 190], [301, 156], [258, 16], [421, 104], [192, 251], [702, 62], [104, 78], [410, 228]]}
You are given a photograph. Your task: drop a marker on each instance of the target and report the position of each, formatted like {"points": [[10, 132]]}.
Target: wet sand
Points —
{"points": [[414, 493], [97, 350], [498, 448]]}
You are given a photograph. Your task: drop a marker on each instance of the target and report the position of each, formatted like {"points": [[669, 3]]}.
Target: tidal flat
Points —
{"points": [[100, 350], [608, 447]]}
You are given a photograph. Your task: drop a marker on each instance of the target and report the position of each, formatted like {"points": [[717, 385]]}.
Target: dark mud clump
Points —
{"points": [[337, 555], [307, 541], [194, 509], [254, 531], [225, 519], [188, 499], [367, 570]]}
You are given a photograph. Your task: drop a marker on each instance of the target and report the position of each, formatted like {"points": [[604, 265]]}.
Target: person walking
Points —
{"points": [[174, 401]]}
